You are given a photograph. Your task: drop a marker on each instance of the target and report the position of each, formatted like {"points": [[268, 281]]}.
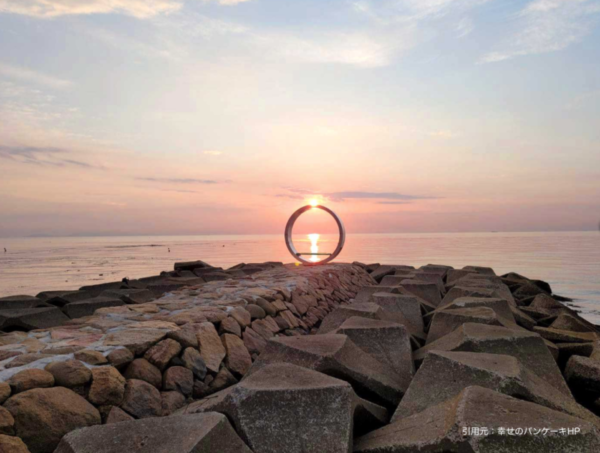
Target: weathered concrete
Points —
{"points": [[199, 433], [441, 428]]}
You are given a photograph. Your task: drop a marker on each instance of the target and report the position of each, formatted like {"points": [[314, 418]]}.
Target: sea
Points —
{"points": [[569, 261]]}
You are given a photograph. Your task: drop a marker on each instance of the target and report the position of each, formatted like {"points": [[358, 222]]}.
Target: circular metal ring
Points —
{"points": [[290, 243]]}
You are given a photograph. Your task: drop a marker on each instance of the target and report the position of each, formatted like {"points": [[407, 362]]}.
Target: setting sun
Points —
{"points": [[314, 202]]}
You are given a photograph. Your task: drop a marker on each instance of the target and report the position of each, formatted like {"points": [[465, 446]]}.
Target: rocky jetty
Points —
{"points": [[284, 358]]}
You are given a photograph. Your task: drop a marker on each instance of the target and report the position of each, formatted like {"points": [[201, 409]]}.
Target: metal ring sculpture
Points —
{"points": [[290, 244]]}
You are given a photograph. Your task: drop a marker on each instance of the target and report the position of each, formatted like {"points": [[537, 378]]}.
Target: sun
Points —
{"points": [[314, 202]]}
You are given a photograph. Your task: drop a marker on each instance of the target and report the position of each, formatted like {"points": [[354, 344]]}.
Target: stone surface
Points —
{"points": [[443, 375], [283, 407], [137, 341], [120, 358], [30, 379], [179, 379], [130, 296], [336, 355], [91, 357], [230, 325], [445, 321], [171, 401], [211, 349], [440, 428], [565, 336], [186, 336], [5, 392], [238, 358], [427, 291], [198, 433], [193, 361], [141, 399], [161, 354], [43, 416], [387, 342], [20, 302], [117, 415], [31, 318], [583, 376], [89, 306], [143, 370], [7, 422], [397, 303], [241, 316], [70, 373], [525, 346], [108, 386], [10, 444]]}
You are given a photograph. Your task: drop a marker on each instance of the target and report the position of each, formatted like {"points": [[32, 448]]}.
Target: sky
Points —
{"points": [[141, 117]]}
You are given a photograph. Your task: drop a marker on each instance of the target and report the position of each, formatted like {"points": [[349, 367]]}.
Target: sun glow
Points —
{"points": [[314, 203]]}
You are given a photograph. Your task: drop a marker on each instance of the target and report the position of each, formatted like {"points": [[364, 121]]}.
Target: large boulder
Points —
{"points": [[69, 373], [130, 296], [445, 321], [198, 433], [108, 386], [338, 356], [44, 416], [21, 302], [430, 292], [408, 306], [141, 399], [30, 379], [387, 342], [583, 376], [283, 407], [480, 420], [87, 307], [31, 318], [211, 348], [443, 375], [525, 346]]}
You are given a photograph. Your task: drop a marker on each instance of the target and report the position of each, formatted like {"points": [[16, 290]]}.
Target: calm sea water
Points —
{"points": [[570, 262]]}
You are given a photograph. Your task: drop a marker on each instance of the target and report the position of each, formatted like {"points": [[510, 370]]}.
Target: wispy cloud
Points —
{"points": [[180, 180], [394, 202], [53, 157], [138, 8], [25, 74], [548, 26], [341, 196]]}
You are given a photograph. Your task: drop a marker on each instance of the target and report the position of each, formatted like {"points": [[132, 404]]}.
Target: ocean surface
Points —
{"points": [[569, 261]]}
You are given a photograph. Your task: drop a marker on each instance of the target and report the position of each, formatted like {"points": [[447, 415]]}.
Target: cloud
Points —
{"points": [[24, 74], [137, 8], [52, 157], [464, 27], [548, 26], [341, 196], [393, 202], [179, 180], [212, 153]]}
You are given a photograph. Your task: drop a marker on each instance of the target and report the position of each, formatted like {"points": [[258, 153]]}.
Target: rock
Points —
{"points": [[211, 348], [481, 282], [381, 272], [454, 275], [445, 321], [62, 298], [91, 357], [338, 316], [44, 416], [186, 336], [571, 323], [21, 302], [30, 379], [583, 376], [567, 350], [161, 354], [480, 270], [242, 316], [31, 318], [70, 373], [7, 422], [5, 392], [459, 291], [392, 280], [9, 444], [523, 319], [117, 415], [525, 346], [96, 290], [191, 265], [223, 380], [565, 336], [108, 386], [120, 358], [180, 379], [130, 296], [444, 375], [230, 325], [253, 341], [89, 306], [141, 399], [445, 427], [238, 358], [199, 433], [143, 370], [387, 342], [304, 411], [364, 294], [266, 306], [397, 303], [500, 306], [171, 401], [546, 305], [426, 291], [255, 311], [338, 356], [138, 341], [192, 360]]}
